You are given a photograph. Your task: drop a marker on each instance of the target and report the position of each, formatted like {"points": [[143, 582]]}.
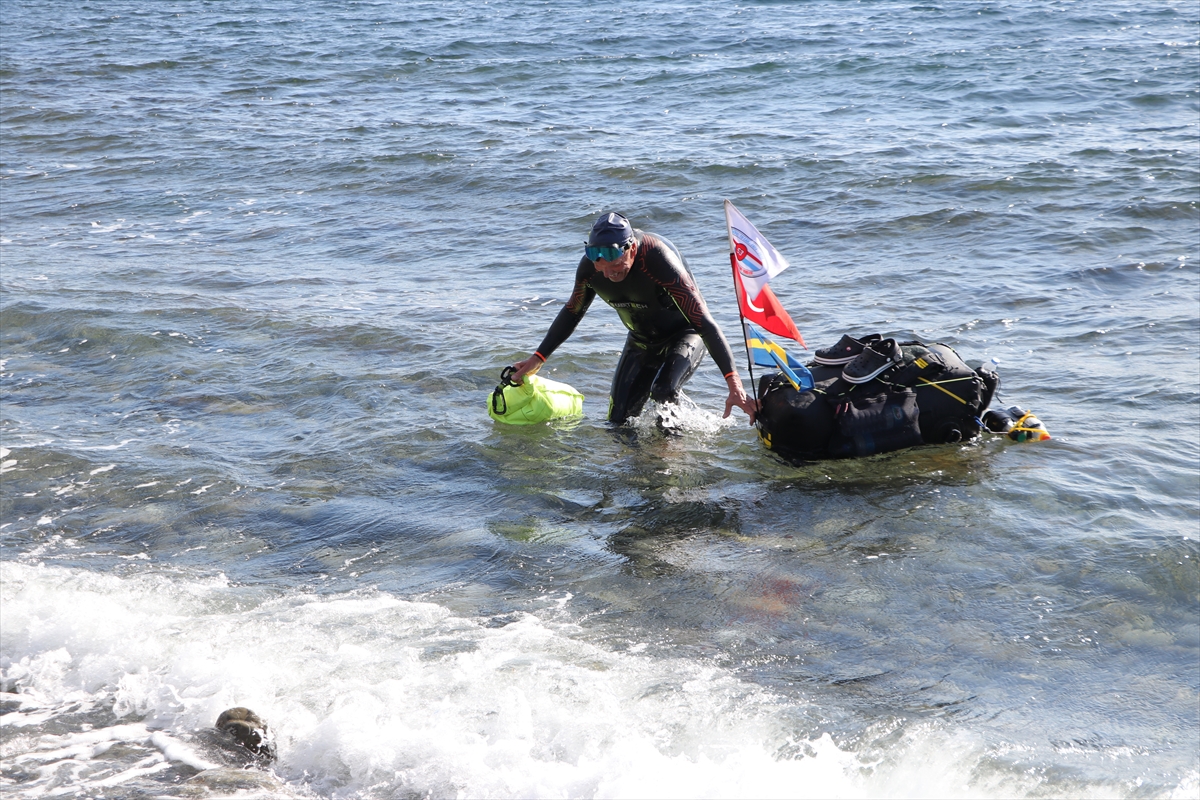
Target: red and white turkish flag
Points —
{"points": [[766, 312]]}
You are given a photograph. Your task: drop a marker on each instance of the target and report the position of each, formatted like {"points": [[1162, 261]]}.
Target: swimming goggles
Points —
{"points": [[607, 252]]}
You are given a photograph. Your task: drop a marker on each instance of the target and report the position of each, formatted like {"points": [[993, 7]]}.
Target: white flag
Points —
{"points": [[757, 261]]}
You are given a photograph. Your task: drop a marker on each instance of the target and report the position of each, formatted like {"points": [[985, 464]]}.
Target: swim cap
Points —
{"points": [[611, 228]]}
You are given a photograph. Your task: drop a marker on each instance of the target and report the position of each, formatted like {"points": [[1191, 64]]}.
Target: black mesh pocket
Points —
{"points": [[876, 423]]}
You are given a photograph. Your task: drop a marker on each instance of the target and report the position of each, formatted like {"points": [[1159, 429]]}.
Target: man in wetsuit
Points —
{"points": [[645, 279]]}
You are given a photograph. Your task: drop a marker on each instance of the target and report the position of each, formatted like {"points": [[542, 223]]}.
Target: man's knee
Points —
{"points": [[664, 392], [670, 380], [678, 369]]}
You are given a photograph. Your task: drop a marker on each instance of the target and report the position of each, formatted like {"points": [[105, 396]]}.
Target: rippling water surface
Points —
{"points": [[261, 265]]}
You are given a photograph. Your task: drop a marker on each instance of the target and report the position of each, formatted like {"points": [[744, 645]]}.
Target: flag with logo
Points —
{"points": [[755, 262]]}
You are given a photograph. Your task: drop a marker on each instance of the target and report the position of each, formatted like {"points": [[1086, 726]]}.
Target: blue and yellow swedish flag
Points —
{"points": [[765, 353]]}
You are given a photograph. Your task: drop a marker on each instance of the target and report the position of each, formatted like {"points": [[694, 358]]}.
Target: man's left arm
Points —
{"points": [[683, 290]]}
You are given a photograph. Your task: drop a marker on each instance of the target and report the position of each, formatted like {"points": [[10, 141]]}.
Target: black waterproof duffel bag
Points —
{"points": [[933, 397]]}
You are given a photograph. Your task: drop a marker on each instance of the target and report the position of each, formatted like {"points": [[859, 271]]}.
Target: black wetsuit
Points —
{"points": [[667, 320]]}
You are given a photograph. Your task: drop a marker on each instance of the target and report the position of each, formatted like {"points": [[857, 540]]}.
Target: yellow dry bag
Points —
{"points": [[535, 400]]}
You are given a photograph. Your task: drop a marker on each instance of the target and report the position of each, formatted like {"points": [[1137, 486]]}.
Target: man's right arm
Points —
{"points": [[564, 324]]}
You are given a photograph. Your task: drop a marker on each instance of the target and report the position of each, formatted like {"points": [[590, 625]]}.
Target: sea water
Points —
{"points": [[262, 264]]}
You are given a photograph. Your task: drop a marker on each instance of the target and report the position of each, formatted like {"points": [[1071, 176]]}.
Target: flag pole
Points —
{"points": [[737, 294], [742, 319]]}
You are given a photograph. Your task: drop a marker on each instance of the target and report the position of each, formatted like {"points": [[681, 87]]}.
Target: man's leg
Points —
{"points": [[679, 364], [631, 382]]}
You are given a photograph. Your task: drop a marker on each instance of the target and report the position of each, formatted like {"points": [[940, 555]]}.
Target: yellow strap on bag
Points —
{"points": [[535, 400]]}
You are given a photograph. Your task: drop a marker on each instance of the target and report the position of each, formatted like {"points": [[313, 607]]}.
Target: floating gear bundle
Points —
{"points": [[1018, 424], [534, 400], [930, 396]]}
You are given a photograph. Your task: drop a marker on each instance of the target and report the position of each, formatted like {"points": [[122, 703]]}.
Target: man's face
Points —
{"points": [[616, 271]]}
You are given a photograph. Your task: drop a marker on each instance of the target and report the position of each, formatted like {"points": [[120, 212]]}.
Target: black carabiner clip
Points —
{"points": [[499, 404]]}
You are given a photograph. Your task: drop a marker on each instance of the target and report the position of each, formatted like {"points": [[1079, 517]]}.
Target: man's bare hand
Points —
{"points": [[738, 397], [527, 367]]}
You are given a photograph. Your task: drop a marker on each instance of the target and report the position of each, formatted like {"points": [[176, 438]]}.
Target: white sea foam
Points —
{"points": [[116, 446], [374, 696], [684, 416], [175, 750]]}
